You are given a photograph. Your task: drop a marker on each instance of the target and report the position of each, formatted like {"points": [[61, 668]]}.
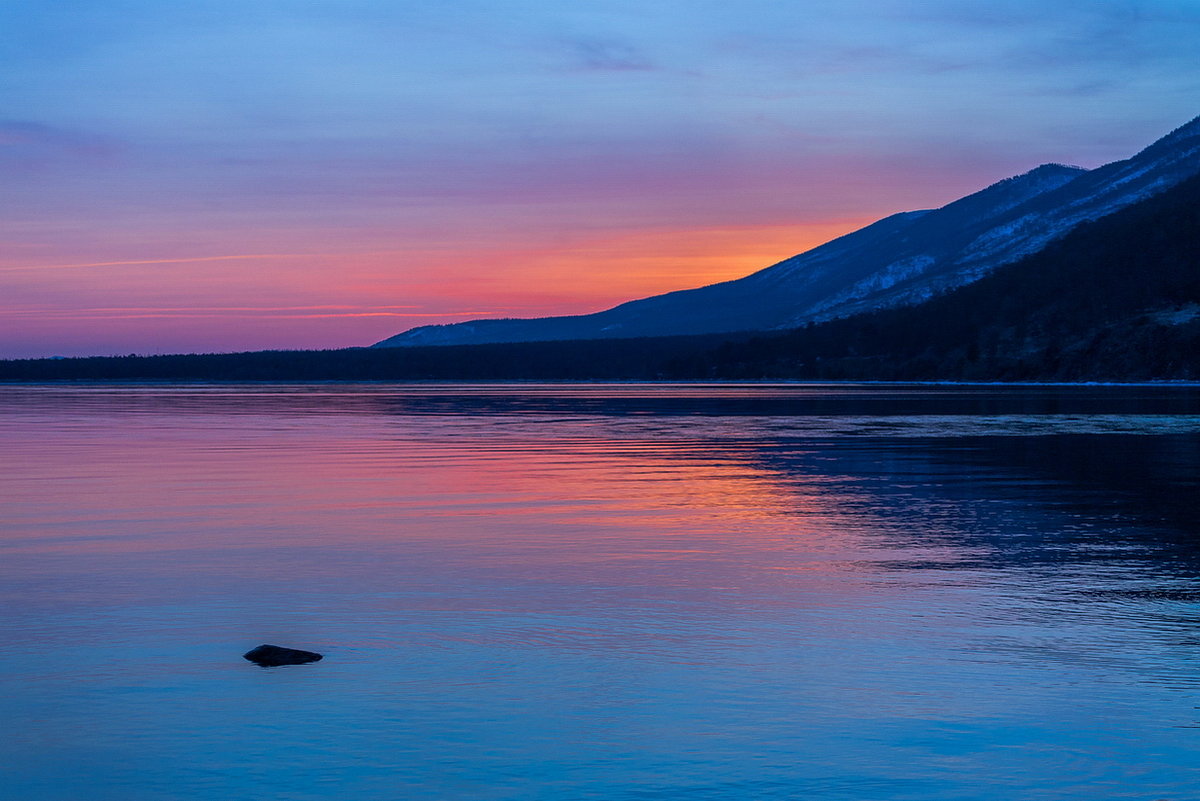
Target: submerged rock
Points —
{"points": [[274, 656]]}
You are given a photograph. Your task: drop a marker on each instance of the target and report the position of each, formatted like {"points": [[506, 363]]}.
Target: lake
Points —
{"points": [[622, 592]]}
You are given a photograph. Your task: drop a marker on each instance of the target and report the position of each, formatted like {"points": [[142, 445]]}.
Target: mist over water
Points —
{"points": [[600, 591]]}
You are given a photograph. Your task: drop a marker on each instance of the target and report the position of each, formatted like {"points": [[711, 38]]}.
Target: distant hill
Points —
{"points": [[900, 260]]}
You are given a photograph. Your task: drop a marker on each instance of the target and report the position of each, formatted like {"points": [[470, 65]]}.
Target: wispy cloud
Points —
{"points": [[607, 55], [202, 259], [243, 312], [27, 144]]}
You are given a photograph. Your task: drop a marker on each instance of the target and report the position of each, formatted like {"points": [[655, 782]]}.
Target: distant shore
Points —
{"points": [[744, 358]]}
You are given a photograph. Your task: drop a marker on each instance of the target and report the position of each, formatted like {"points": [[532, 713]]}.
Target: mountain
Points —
{"points": [[900, 260], [1117, 298]]}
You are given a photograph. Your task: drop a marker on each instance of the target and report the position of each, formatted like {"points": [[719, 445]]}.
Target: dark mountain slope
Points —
{"points": [[1118, 298]]}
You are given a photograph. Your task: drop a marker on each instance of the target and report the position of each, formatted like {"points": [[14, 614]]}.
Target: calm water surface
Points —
{"points": [[600, 592]]}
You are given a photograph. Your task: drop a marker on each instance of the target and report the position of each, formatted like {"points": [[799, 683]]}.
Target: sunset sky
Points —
{"points": [[222, 175]]}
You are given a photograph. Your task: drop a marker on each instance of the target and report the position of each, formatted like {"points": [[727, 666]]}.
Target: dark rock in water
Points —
{"points": [[274, 656]]}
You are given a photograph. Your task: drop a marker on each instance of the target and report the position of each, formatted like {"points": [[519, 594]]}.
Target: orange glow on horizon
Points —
{"points": [[588, 274], [344, 294]]}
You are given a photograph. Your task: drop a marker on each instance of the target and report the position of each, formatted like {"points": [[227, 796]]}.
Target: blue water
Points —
{"points": [[600, 592]]}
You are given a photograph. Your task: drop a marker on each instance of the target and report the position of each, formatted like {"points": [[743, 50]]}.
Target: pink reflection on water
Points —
{"points": [[332, 488]]}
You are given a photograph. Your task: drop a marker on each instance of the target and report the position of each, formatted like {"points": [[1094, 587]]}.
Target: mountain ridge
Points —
{"points": [[899, 260]]}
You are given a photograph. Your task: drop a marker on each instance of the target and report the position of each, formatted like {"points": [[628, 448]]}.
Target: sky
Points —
{"points": [[223, 176]]}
